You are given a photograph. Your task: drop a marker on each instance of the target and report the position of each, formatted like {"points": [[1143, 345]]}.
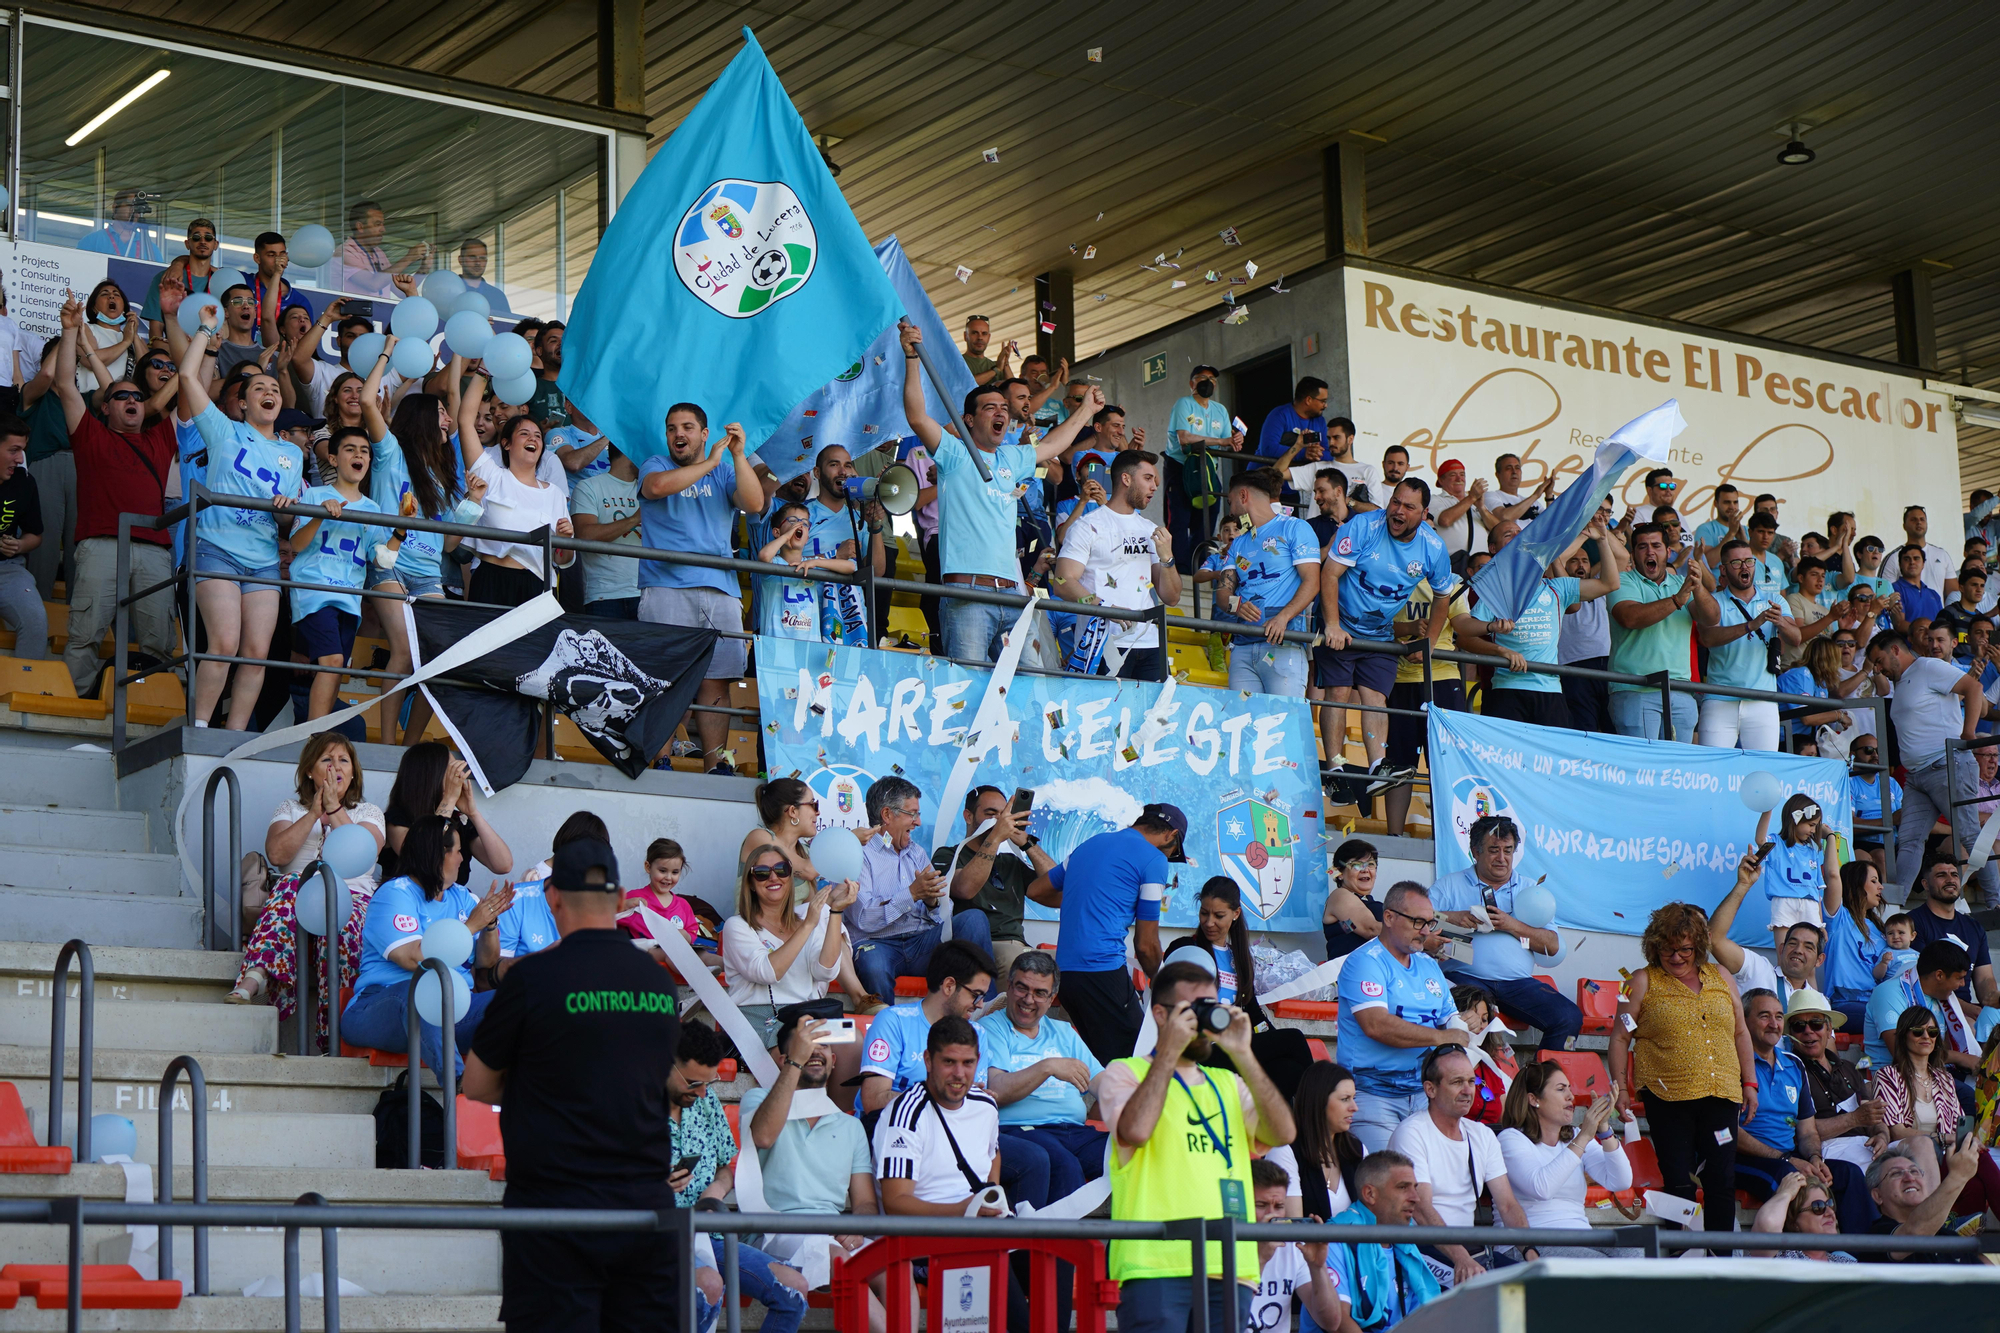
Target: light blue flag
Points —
{"points": [[734, 275], [1511, 579], [863, 406]]}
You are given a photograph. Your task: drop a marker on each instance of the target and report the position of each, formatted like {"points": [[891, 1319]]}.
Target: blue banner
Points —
{"points": [[733, 276], [1620, 826], [863, 406], [1094, 750]]}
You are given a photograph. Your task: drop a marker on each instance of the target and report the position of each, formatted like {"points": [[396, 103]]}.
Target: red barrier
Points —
{"points": [[1094, 1292]]}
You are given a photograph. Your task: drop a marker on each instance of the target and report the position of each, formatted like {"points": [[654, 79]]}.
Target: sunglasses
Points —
{"points": [[239, 301], [1367, 862], [127, 396], [1807, 1025], [1425, 924], [764, 874], [201, 236], [1818, 1207], [167, 366], [977, 319], [1923, 1032]]}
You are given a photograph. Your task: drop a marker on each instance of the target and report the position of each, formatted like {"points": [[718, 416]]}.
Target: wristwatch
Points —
{"points": [[793, 1064]]}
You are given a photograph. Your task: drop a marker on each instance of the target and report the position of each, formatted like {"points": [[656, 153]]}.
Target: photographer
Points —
{"points": [[1179, 1172], [1745, 642]]}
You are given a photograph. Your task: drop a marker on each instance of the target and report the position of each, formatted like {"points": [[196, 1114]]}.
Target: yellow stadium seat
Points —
{"points": [[151, 701], [44, 688]]}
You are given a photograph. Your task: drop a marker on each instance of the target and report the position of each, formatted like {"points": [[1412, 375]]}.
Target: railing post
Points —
{"points": [[293, 1322], [86, 1000], [198, 1093], [679, 1222], [1666, 684], [329, 952], [1194, 1230], [1227, 1226], [233, 894], [67, 1212], [1883, 783], [732, 1283], [446, 1077], [329, 1266], [1166, 653], [121, 619]]}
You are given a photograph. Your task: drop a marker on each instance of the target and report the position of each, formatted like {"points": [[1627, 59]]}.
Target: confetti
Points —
{"points": [[792, 693], [1048, 326], [1229, 236], [1051, 305], [897, 769], [964, 274], [1101, 296], [1149, 268], [1074, 247], [794, 773], [1250, 267], [1177, 285], [771, 727], [1673, 868], [991, 155], [1100, 217], [1210, 276], [1279, 286], [727, 756], [957, 703], [1240, 315], [1130, 754], [1090, 251], [1055, 718], [1095, 55]]}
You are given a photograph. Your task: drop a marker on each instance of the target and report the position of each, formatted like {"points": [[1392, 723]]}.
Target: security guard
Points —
{"points": [[576, 1049]]}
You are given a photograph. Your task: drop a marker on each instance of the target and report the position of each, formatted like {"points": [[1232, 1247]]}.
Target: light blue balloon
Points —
{"points": [[113, 1136], [223, 279], [310, 246], [515, 389], [441, 288], [449, 941], [1534, 906], [1761, 791], [836, 855], [508, 355], [350, 850], [364, 352], [310, 904], [193, 307], [429, 1000], [468, 332], [414, 318], [473, 301], [412, 359]]}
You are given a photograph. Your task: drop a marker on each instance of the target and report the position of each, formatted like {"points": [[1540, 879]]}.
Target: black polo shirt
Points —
{"points": [[586, 1034]]}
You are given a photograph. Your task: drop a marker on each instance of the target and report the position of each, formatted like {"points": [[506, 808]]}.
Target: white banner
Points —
{"points": [[1451, 373]]}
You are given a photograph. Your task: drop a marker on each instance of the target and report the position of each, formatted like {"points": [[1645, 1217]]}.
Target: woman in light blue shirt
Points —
{"points": [[246, 458], [1857, 952]]}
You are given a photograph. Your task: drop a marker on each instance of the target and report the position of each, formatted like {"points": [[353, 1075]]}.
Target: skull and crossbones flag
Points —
{"points": [[625, 684]]}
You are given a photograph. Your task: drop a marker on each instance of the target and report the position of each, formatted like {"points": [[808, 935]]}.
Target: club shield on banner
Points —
{"points": [[1094, 751], [1620, 826]]}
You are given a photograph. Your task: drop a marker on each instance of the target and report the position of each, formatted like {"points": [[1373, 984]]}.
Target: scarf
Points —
{"points": [[1391, 1278]]}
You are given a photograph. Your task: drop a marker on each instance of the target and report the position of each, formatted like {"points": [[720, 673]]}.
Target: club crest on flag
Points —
{"points": [[1472, 799], [1255, 839], [744, 245]]}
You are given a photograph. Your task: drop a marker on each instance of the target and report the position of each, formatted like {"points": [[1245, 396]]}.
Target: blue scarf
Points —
{"points": [[1376, 1270]]}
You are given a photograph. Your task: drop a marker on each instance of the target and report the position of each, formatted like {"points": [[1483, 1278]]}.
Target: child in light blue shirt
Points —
{"points": [[1801, 872], [788, 608], [329, 552], [1900, 932]]}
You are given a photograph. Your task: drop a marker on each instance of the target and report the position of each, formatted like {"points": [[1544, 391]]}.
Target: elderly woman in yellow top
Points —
{"points": [[1682, 1021]]}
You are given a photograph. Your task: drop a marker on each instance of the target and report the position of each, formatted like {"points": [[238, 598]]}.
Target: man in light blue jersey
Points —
{"points": [[1196, 421], [1506, 952], [1394, 1004], [1377, 561], [1039, 1071], [1519, 693], [1750, 626], [1272, 572]]}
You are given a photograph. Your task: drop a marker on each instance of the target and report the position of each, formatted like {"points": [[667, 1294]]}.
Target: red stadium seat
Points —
{"points": [[912, 988], [1319, 1050], [479, 1145], [1587, 1075], [1599, 1001], [1325, 1010], [19, 1153], [105, 1287], [731, 1110]]}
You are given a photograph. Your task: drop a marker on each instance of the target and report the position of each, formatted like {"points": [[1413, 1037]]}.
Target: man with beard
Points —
{"points": [[1751, 626], [1534, 636], [831, 524], [1942, 917], [546, 404], [1116, 556], [1651, 631]]}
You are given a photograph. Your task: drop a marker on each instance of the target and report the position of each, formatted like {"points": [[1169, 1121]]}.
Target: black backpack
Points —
{"points": [[392, 1127]]}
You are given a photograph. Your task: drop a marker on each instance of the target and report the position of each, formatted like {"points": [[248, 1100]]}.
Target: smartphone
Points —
{"points": [[1764, 851], [835, 1032], [688, 1163], [1024, 800], [350, 305]]}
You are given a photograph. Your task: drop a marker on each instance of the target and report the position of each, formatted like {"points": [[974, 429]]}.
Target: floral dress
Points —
{"points": [[272, 944]]}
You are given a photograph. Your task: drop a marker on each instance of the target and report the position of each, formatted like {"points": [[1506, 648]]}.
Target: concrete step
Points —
{"points": [[69, 826], [54, 915], [149, 1025], [248, 1138], [242, 1314], [111, 874], [128, 1082], [45, 776], [123, 973], [429, 1263]]}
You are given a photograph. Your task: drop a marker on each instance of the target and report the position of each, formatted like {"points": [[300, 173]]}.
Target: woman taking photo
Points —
{"points": [[1353, 917], [1320, 1161], [1548, 1157], [1221, 943], [1919, 1099], [1857, 954], [431, 781], [392, 943], [1682, 1022], [328, 785], [775, 954]]}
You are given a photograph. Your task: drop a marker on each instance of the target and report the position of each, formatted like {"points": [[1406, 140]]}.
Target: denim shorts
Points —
{"points": [[414, 585], [213, 564]]}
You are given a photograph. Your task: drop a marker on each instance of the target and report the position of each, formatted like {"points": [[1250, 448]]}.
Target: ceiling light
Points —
{"points": [[1795, 153], [128, 99], [1980, 414]]}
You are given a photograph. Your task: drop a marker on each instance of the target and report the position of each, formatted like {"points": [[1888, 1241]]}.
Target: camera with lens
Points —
{"points": [[1210, 1016]]}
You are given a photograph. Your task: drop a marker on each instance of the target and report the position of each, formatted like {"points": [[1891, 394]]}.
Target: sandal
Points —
{"points": [[248, 987]]}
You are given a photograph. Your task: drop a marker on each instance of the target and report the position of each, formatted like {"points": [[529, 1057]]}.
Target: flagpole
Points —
{"points": [[937, 383]]}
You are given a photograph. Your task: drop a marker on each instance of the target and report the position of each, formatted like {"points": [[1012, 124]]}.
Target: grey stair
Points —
{"points": [[241, 1314], [74, 827], [150, 1025], [122, 973], [128, 1082], [35, 776], [116, 874], [53, 915], [435, 1263], [246, 1138]]}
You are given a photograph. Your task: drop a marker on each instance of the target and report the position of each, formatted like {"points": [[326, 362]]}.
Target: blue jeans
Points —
{"points": [[1161, 1305], [375, 1018], [1558, 1018], [784, 1307], [878, 962], [1376, 1115], [972, 630], [1637, 713], [1075, 1153], [1263, 669], [613, 608]]}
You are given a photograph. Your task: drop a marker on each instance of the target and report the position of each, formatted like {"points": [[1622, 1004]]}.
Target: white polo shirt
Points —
{"points": [[912, 1143]]}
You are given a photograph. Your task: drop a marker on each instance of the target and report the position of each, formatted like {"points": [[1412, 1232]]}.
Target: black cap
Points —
{"points": [[1160, 812], [573, 862]]}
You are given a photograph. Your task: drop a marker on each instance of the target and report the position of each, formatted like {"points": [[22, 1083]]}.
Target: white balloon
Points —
{"points": [[309, 906], [442, 287], [412, 358], [310, 246], [515, 389], [449, 941], [429, 1000], [468, 332], [508, 355]]}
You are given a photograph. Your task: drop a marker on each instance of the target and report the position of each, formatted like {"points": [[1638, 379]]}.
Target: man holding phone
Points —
{"points": [[991, 871]]}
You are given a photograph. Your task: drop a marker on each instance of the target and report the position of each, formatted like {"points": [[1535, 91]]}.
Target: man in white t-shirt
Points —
{"points": [[1116, 556], [1288, 1270], [1934, 702], [1508, 501], [1456, 1159]]}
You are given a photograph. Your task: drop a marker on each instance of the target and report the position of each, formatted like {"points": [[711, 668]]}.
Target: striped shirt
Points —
{"points": [[914, 1141]]}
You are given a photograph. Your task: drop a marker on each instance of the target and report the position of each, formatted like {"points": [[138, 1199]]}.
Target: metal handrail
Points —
{"points": [[233, 893], [447, 1077], [198, 1096], [86, 1045], [329, 951]]}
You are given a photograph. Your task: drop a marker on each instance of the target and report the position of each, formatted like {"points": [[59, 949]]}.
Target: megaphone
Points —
{"points": [[895, 490]]}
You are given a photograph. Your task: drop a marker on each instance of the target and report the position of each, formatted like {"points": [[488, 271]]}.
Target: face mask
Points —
{"points": [[1204, 388], [107, 321]]}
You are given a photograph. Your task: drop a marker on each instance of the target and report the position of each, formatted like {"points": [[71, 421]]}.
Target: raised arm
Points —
{"points": [[65, 373], [914, 410], [1727, 952], [467, 419], [303, 356], [371, 395], [194, 399], [1064, 435]]}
